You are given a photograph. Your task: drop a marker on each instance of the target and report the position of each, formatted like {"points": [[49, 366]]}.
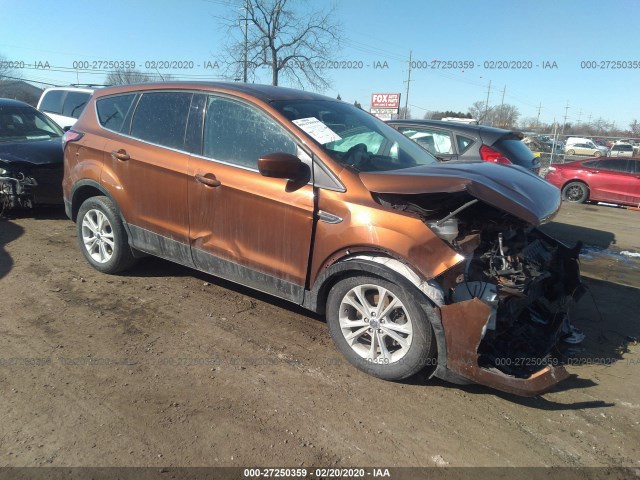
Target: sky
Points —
{"points": [[49, 39]]}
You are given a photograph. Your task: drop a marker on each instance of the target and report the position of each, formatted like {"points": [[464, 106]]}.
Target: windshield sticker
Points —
{"points": [[318, 130]]}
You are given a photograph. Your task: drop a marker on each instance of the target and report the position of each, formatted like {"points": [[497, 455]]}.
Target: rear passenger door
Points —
{"points": [[244, 227], [147, 168]]}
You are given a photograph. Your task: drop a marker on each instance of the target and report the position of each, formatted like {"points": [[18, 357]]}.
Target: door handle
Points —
{"points": [[121, 155], [208, 179]]}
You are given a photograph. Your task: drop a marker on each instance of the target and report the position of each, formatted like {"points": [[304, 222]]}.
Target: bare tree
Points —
{"points": [[126, 76], [6, 72], [479, 110], [634, 128], [292, 44], [404, 112], [505, 116]]}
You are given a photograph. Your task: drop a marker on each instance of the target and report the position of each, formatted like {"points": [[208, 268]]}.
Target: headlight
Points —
{"points": [[3, 171]]}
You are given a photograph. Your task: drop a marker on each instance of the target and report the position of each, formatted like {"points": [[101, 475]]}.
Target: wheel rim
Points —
{"points": [[375, 324], [97, 236], [574, 193]]}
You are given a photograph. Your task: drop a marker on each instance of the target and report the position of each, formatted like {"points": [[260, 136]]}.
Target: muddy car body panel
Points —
{"points": [[317, 202]]}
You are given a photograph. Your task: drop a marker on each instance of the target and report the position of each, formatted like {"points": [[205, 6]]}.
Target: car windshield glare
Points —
{"points": [[22, 124], [352, 137]]}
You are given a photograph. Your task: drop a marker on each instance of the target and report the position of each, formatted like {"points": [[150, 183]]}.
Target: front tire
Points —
{"points": [[102, 237], [380, 328], [571, 152], [597, 154], [575, 192]]}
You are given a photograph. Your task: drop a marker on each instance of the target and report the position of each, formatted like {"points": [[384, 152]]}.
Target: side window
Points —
{"points": [[592, 163], [52, 101], [463, 143], [161, 118], [240, 134], [113, 110], [614, 165], [434, 141], [74, 103]]}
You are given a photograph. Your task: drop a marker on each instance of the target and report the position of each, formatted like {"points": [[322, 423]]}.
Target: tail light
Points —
{"points": [[71, 136], [488, 154]]}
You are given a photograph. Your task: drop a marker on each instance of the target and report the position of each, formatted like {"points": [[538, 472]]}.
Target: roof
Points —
{"points": [[457, 126], [266, 93]]}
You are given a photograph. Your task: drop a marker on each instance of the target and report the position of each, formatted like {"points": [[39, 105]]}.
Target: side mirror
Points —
{"points": [[280, 165]]}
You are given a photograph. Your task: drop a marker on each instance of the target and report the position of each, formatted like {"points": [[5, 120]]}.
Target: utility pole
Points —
{"points": [[486, 104], [566, 109], [246, 28], [406, 98], [579, 115], [502, 121], [538, 121]]}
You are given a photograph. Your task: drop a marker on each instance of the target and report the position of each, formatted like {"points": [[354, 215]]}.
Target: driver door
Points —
{"points": [[245, 227]]}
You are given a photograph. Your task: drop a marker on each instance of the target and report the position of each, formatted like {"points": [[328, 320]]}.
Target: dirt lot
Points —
{"points": [[164, 366]]}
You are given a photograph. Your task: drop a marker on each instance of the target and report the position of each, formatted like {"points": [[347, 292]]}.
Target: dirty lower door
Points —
{"points": [[244, 227]]}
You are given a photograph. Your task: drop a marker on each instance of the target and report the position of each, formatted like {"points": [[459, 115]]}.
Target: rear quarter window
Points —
{"points": [[112, 111], [463, 143]]}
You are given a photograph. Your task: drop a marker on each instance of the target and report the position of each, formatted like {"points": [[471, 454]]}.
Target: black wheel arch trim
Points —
{"points": [[74, 204]]}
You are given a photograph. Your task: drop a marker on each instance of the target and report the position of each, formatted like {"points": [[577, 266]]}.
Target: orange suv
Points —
{"points": [[416, 264]]}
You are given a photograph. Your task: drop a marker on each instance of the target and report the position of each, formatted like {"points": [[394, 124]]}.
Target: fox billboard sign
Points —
{"points": [[385, 100]]}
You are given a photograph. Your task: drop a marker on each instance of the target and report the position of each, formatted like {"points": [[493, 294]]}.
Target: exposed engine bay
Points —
{"points": [[529, 280], [16, 190], [24, 185]]}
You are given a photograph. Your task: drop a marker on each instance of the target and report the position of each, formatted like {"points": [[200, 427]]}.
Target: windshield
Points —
{"points": [[21, 123], [352, 137]]}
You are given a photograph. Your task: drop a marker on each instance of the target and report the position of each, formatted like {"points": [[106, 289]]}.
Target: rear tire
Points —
{"points": [[102, 237], [571, 152], [575, 192], [380, 328], [597, 154]]}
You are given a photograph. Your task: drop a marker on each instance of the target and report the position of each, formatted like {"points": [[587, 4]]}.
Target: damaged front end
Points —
{"points": [[16, 189], [24, 185], [506, 303]]}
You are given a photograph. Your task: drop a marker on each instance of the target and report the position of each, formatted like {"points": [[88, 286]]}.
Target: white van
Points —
{"points": [[64, 105]]}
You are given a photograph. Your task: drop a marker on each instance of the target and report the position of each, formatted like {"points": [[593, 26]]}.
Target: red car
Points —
{"points": [[614, 180]]}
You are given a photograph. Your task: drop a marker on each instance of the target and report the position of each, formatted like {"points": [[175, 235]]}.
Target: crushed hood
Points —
{"points": [[35, 152], [508, 188]]}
